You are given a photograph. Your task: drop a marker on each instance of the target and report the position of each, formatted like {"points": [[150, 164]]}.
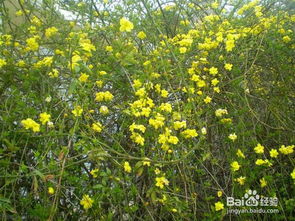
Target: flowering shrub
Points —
{"points": [[145, 110]]}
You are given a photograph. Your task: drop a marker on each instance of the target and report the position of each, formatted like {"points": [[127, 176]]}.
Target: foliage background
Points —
{"points": [[184, 40]]}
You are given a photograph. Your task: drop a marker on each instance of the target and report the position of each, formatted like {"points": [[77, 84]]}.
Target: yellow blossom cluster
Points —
{"points": [[31, 124], [127, 167], [161, 182], [167, 83], [287, 149], [103, 96], [86, 202], [49, 32], [97, 127], [125, 25], [136, 137], [34, 126]]}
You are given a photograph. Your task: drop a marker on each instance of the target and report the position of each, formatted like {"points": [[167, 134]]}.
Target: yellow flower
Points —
{"points": [[228, 66], [240, 154], [201, 83], [233, 136], [145, 111], [86, 202], [19, 13], [97, 127], [51, 190], [139, 127], [273, 153], [146, 162], [189, 133], [32, 29], [32, 44], [166, 107], [260, 162], [83, 78], [263, 182], [293, 174], [216, 89], [141, 35], [176, 116], [87, 45], [208, 100], [219, 112], [204, 130], [48, 99], [125, 25], [137, 83], [104, 110], [47, 61], [35, 20], [157, 122], [286, 149], [162, 139], [146, 63], [164, 93], [44, 118], [31, 124], [286, 39], [109, 48], [54, 73], [94, 173], [229, 45], [226, 120], [259, 149], [21, 63], [214, 5], [213, 71], [103, 96], [127, 167], [99, 83], [241, 180], [174, 210], [80, 4], [49, 32], [2, 62], [214, 82], [258, 12], [140, 92], [163, 200], [157, 171], [219, 206], [59, 52], [75, 61], [155, 75], [235, 166], [173, 139], [161, 181], [179, 124], [219, 193], [182, 50], [102, 73], [137, 138], [194, 77], [77, 111]]}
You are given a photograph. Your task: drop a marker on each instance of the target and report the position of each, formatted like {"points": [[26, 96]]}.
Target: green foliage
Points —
{"points": [[145, 110]]}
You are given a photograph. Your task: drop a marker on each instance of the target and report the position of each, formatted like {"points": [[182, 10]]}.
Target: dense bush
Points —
{"points": [[145, 110]]}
